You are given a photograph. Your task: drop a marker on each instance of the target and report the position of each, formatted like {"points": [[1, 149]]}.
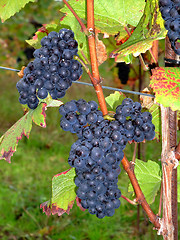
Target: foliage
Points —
{"points": [[166, 85], [9, 7], [148, 175], [145, 25]]}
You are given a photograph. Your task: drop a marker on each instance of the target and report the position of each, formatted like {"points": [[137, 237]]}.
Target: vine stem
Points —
{"points": [[129, 201], [84, 29], [93, 56], [139, 195]]}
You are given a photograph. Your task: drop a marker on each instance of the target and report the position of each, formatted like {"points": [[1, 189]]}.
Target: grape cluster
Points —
{"points": [[170, 11], [52, 70], [134, 124], [97, 153], [123, 72], [96, 158]]}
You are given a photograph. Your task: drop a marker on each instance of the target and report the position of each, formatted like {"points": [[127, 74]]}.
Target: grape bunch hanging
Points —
{"points": [[170, 11], [97, 153], [52, 70]]}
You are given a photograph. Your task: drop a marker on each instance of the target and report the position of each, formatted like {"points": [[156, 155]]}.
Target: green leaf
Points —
{"points": [[112, 16], [63, 193], [150, 28], [9, 7], [165, 82], [178, 183], [63, 189], [148, 175], [115, 99], [39, 115], [9, 141]]}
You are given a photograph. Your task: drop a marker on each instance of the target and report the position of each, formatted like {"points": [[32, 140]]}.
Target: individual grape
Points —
{"points": [[96, 153], [42, 93], [65, 125], [116, 136], [32, 99], [22, 100], [71, 117], [75, 75], [45, 41], [67, 54], [75, 65], [70, 107], [149, 135], [84, 108], [32, 105], [91, 117], [146, 116], [39, 83]]}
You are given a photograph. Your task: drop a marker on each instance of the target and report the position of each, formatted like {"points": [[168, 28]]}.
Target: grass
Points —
{"points": [[26, 183]]}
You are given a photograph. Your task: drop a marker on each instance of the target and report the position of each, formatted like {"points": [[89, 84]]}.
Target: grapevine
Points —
{"points": [[103, 134]]}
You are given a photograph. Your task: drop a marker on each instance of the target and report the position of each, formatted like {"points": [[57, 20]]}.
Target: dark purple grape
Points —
{"points": [[42, 93], [96, 153]]}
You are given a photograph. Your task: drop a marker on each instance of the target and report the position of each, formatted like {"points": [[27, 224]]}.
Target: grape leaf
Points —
{"points": [[9, 141], [35, 42], [113, 19], [149, 28], [148, 175], [178, 183], [108, 19], [9, 7], [154, 109], [39, 115], [63, 194], [115, 99], [165, 82]]}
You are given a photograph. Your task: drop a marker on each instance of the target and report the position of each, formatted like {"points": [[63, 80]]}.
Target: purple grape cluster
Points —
{"points": [[135, 125], [170, 11], [97, 153], [96, 159], [52, 70], [123, 72]]}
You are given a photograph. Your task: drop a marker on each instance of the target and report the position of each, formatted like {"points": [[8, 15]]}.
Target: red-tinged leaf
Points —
{"points": [[150, 28], [165, 82], [39, 115], [63, 194], [48, 209], [9, 141], [78, 202], [42, 32]]}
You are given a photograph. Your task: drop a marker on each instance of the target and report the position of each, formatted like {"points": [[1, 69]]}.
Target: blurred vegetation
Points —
{"points": [[26, 183]]}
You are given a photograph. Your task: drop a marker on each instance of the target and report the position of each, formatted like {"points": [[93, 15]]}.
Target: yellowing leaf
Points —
{"points": [[165, 83]]}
